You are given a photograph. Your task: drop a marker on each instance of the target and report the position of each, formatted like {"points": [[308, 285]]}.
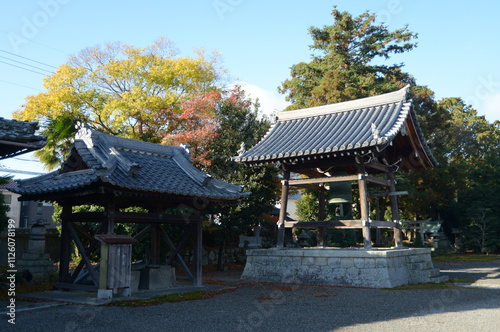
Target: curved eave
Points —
{"points": [[198, 194], [427, 158]]}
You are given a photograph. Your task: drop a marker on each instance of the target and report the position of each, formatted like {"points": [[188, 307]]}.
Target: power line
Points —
{"points": [[4, 57], [10, 64], [24, 86], [19, 171], [25, 159], [20, 56]]}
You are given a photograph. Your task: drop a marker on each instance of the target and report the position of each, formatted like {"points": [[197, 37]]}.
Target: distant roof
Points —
{"points": [[9, 185], [431, 226], [353, 126], [18, 137], [129, 164]]}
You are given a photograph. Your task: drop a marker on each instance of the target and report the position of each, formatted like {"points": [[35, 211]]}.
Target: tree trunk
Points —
{"points": [[220, 258]]}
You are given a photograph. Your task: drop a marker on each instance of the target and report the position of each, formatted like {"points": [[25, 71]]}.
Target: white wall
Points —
{"points": [[15, 206]]}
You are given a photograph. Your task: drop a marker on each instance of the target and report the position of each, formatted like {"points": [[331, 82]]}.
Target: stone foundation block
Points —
{"points": [[375, 268]]}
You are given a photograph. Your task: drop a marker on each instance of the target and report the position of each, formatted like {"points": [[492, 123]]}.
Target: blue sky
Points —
{"points": [[457, 54]]}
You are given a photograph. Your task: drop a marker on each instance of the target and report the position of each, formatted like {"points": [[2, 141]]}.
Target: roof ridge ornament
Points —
{"points": [[242, 149], [187, 151]]}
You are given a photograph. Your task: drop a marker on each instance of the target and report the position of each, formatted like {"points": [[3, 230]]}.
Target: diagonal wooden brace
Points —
{"points": [[85, 258], [177, 255]]}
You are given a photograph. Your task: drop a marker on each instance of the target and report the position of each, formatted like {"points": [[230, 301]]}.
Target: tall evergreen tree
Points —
{"points": [[345, 63]]}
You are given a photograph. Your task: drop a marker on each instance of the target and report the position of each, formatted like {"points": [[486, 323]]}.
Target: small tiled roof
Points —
{"points": [[363, 123], [9, 185], [17, 137], [129, 164]]}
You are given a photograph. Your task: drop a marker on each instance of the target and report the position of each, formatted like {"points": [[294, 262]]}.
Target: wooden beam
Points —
{"points": [[97, 217], [143, 232], [80, 247], [395, 193], [93, 245], [134, 217], [378, 166], [324, 180], [383, 224], [308, 186], [83, 232], [179, 258], [328, 160], [180, 245], [324, 224], [376, 180], [339, 224]]}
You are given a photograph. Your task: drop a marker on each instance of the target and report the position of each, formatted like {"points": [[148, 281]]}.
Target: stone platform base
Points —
{"points": [[157, 277], [374, 268]]}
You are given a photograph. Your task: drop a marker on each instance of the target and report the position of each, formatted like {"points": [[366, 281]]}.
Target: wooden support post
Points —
{"points": [[377, 217], [284, 201], [363, 202], [198, 254], [155, 244], [64, 276], [110, 213], [394, 209], [321, 215]]}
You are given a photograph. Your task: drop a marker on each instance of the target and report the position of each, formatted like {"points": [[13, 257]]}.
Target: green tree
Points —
{"points": [[346, 65], [239, 123], [344, 62], [121, 90], [463, 188]]}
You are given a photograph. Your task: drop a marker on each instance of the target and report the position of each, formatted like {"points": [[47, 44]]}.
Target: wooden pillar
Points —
{"points": [[155, 240], [65, 245], [198, 254], [377, 217], [321, 215], [363, 202], [284, 202], [110, 212], [394, 209], [155, 244]]}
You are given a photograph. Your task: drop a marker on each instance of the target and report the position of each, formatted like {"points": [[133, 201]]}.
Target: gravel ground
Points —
{"points": [[256, 306]]}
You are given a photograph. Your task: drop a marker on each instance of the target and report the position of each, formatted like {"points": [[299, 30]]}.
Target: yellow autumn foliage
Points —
{"points": [[124, 90]]}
